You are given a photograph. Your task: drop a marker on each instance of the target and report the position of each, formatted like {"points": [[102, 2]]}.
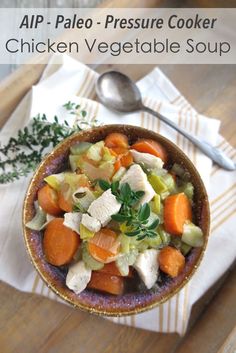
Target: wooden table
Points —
{"points": [[32, 324]]}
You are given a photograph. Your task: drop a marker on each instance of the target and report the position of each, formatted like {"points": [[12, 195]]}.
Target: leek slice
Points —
{"points": [[169, 181], [55, 180], [155, 204], [188, 189], [85, 233], [83, 197], [181, 172], [107, 156], [157, 183], [124, 261], [95, 151], [119, 174], [185, 248], [89, 261], [39, 221], [192, 235], [75, 162]]}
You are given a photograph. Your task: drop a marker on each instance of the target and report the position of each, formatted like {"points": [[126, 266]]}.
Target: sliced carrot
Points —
{"points": [[151, 147], [116, 139], [65, 198], [126, 159], [113, 153], [60, 243], [177, 210], [171, 261], [117, 165], [104, 245], [48, 200], [119, 150], [100, 254], [112, 269], [106, 283]]}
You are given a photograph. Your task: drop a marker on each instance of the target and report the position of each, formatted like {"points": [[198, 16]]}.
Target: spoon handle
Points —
{"points": [[215, 154]]}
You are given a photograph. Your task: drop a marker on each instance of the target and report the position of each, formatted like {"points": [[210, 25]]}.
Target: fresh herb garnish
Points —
{"points": [[23, 153], [135, 218], [80, 114]]}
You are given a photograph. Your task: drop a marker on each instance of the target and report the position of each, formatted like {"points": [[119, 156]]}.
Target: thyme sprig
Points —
{"points": [[23, 153], [80, 114], [135, 218]]}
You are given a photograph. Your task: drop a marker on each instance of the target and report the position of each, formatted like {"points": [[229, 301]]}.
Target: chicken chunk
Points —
{"points": [[137, 180], [91, 223], [148, 160], [78, 277], [72, 220], [104, 207], [147, 267]]}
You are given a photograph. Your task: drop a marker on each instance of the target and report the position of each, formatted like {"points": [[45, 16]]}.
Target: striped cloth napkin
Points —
{"points": [[74, 81]]}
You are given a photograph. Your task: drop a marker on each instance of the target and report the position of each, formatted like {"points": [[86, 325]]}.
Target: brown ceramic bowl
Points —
{"points": [[92, 301]]}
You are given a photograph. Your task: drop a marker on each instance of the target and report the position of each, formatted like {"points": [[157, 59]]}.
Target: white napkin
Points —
{"points": [[75, 81]]}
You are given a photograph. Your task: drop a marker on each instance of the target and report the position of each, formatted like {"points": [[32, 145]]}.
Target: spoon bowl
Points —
{"points": [[118, 92]]}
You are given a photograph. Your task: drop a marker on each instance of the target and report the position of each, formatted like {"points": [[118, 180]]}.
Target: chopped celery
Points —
{"points": [[156, 204], [157, 183], [107, 156], [165, 237], [39, 221], [75, 180], [107, 168], [89, 261], [188, 189], [124, 243], [192, 235], [140, 245], [85, 233], [124, 261], [169, 181], [95, 151], [83, 197], [153, 242], [119, 174], [185, 248], [164, 195], [159, 172], [176, 242], [80, 147], [122, 265], [55, 180]]}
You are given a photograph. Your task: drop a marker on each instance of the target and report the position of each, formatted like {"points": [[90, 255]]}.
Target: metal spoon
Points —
{"points": [[119, 93]]}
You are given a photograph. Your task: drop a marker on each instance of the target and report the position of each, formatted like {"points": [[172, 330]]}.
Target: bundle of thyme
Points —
{"points": [[23, 153], [135, 218]]}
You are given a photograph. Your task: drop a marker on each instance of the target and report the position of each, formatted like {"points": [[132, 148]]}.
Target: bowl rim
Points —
{"points": [[85, 307]]}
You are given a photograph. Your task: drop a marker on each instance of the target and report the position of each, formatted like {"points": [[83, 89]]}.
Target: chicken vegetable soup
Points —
{"points": [[119, 219]]}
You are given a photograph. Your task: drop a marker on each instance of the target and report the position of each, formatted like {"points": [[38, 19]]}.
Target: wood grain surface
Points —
{"points": [[32, 324]]}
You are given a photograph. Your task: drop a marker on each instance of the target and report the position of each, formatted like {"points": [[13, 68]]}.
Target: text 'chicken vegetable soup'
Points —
{"points": [[119, 219]]}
